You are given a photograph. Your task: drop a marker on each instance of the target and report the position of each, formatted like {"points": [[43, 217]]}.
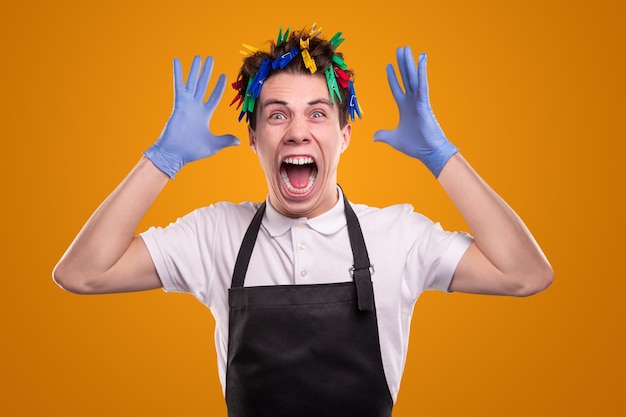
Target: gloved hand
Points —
{"points": [[186, 136], [418, 134]]}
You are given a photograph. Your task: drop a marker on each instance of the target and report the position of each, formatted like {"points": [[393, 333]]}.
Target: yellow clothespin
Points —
{"points": [[314, 31], [250, 50], [308, 61]]}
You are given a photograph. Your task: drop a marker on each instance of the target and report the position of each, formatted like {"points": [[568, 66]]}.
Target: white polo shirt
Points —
{"points": [[410, 254]]}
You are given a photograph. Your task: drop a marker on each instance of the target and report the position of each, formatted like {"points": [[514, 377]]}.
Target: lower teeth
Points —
{"points": [[295, 190]]}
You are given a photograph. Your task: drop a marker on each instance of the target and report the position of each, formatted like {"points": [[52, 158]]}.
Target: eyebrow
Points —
{"points": [[284, 103], [320, 101]]}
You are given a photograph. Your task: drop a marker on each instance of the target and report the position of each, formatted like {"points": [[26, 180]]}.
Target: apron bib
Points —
{"points": [[305, 350]]}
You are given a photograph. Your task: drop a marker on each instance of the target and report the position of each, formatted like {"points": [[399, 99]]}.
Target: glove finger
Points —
{"points": [[178, 78], [192, 78], [392, 78], [402, 68], [216, 94], [383, 136], [411, 69], [225, 141], [423, 77], [203, 82]]}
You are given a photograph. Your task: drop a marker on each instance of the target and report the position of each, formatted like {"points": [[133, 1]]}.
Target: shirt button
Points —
{"points": [[301, 246], [303, 273], [301, 225]]}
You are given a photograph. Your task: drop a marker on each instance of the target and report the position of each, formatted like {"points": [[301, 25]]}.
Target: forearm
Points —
{"points": [[109, 232], [499, 233]]}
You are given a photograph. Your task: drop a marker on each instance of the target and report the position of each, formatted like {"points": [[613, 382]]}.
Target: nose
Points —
{"points": [[298, 131]]}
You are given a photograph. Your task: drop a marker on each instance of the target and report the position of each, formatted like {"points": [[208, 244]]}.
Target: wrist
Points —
{"points": [[165, 161], [436, 159]]}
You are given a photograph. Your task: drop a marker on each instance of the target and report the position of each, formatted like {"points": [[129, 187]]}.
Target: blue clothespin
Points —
{"points": [[257, 83], [353, 105], [285, 59]]}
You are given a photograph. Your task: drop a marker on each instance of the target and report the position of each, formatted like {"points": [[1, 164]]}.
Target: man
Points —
{"points": [[321, 325]]}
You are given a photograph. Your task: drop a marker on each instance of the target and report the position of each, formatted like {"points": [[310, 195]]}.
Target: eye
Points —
{"points": [[277, 116], [317, 114]]}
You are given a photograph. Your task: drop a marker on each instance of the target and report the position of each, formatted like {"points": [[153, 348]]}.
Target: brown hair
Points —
{"points": [[321, 51]]}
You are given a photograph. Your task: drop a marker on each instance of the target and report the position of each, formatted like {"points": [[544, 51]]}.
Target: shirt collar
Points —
{"points": [[327, 223]]}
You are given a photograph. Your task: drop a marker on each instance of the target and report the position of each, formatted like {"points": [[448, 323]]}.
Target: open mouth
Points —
{"points": [[298, 173]]}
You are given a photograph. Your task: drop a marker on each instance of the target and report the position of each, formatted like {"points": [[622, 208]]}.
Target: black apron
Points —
{"points": [[305, 350]]}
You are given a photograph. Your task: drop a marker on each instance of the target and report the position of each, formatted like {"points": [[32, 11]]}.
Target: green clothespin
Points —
{"points": [[282, 38], [336, 40], [332, 84], [248, 101], [340, 62]]}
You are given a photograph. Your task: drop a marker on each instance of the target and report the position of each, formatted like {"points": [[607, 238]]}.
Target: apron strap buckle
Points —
{"points": [[353, 268], [364, 288]]}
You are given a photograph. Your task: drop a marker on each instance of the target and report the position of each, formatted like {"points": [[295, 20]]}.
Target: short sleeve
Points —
{"points": [[434, 253], [179, 252]]}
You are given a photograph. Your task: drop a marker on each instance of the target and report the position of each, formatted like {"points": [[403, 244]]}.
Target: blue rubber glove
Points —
{"points": [[186, 136], [418, 134]]}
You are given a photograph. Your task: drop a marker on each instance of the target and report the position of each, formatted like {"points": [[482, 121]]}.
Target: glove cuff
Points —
{"points": [[168, 163], [437, 159]]}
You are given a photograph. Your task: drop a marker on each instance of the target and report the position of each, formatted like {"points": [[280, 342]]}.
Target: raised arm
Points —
{"points": [[504, 258], [106, 256]]}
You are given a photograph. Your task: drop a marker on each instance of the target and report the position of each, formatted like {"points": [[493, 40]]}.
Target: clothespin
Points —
{"points": [[342, 77], [308, 61], [282, 61], [237, 97], [336, 40], [353, 105], [248, 102], [314, 32], [332, 84], [250, 50], [248, 107], [339, 61], [282, 37], [255, 88], [237, 86]]}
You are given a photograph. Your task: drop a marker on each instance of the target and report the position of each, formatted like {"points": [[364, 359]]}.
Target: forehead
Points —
{"points": [[294, 88]]}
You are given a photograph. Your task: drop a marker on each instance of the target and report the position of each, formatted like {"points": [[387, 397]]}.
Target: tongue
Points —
{"points": [[299, 174]]}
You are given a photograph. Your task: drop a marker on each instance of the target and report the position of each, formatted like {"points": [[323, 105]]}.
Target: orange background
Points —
{"points": [[532, 92]]}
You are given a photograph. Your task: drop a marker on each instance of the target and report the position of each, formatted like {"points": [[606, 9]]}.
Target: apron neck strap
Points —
{"points": [[245, 251], [361, 271]]}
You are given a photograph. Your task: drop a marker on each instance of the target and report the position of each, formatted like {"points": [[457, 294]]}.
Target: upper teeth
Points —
{"points": [[299, 160]]}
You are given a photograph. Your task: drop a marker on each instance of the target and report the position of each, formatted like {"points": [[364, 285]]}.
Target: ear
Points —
{"points": [[346, 133], [252, 138]]}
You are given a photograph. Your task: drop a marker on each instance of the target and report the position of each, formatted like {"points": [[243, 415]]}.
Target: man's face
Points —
{"points": [[298, 140]]}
